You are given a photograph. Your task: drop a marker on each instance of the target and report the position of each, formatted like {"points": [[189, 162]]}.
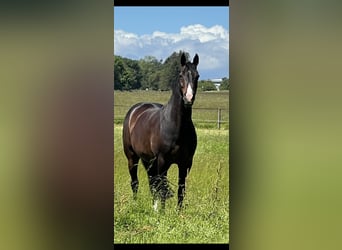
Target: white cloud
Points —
{"points": [[211, 44], [204, 34]]}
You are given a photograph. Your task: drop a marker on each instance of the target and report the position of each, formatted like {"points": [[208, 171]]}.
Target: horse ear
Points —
{"points": [[196, 60], [183, 59]]}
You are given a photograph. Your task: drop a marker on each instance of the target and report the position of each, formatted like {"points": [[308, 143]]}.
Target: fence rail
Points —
{"points": [[202, 117]]}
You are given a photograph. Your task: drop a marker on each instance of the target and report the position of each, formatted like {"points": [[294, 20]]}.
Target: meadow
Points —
{"points": [[205, 215]]}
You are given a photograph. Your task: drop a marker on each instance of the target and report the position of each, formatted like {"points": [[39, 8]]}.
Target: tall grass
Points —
{"points": [[205, 216]]}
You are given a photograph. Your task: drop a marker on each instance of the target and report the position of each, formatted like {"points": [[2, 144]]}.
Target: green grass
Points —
{"points": [[205, 108], [205, 216]]}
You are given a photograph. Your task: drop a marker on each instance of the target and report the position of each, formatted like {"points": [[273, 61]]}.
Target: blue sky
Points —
{"points": [[159, 31]]}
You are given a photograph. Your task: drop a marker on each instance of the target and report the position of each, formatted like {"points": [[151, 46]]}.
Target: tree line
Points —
{"points": [[149, 73]]}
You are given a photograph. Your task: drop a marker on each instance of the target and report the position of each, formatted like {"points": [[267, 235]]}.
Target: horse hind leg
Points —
{"points": [[151, 169], [158, 191], [155, 183], [133, 171], [158, 183], [164, 190]]}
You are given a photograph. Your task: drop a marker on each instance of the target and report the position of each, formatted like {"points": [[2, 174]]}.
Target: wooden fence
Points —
{"points": [[211, 118]]}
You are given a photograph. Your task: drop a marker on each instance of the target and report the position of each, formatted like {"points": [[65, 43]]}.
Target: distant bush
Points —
{"points": [[206, 86]]}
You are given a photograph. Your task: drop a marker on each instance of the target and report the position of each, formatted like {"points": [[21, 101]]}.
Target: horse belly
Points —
{"points": [[140, 145], [144, 138]]}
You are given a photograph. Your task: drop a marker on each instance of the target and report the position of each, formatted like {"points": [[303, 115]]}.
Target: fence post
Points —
{"points": [[218, 118]]}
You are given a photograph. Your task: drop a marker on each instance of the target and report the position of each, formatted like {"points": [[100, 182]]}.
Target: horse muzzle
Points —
{"points": [[187, 103], [188, 96]]}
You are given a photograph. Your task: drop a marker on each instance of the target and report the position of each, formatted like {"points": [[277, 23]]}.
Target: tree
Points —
{"points": [[150, 69], [127, 74], [132, 75], [171, 69], [147, 73], [225, 85], [118, 70]]}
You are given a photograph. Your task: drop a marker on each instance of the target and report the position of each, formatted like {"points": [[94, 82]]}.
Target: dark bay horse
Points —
{"points": [[161, 135]]}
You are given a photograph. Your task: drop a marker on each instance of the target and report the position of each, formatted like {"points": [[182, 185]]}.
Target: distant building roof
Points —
{"points": [[216, 80]]}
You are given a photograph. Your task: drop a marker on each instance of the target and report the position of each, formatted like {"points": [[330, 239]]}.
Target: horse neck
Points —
{"points": [[175, 112]]}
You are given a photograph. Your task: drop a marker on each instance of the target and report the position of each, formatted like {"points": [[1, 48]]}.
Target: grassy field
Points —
{"points": [[205, 216], [205, 108]]}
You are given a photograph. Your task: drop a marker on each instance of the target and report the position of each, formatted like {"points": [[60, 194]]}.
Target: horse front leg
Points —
{"points": [[182, 173]]}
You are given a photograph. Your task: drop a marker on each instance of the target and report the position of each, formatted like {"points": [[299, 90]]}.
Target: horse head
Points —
{"points": [[188, 78]]}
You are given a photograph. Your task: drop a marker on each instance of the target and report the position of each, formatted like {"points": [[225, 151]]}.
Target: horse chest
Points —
{"points": [[174, 150]]}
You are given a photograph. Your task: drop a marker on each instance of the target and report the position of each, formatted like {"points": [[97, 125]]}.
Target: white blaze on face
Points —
{"points": [[189, 93]]}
